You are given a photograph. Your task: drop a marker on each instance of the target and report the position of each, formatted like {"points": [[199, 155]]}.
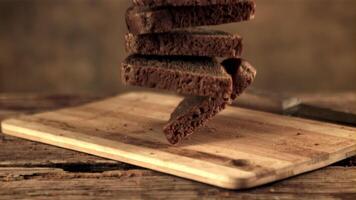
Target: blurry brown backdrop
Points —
{"points": [[76, 46]]}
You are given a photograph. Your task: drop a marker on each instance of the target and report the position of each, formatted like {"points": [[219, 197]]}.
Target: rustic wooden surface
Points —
{"points": [[22, 169], [239, 148], [52, 183], [267, 101], [333, 107], [330, 107]]}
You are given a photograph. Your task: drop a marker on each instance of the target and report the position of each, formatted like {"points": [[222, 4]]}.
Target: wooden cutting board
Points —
{"points": [[240, 148]]}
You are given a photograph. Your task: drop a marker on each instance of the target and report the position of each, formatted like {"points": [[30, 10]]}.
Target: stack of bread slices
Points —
{"points": [[168, 51]]}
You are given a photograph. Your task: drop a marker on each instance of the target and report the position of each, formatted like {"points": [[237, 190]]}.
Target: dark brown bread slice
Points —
{"points": [[141, 20], [193, 112], [192, 42], [200, 76], [242, 74], [153, 3]]}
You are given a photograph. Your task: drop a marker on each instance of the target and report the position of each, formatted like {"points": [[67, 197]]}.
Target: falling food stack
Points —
{"points": [[168, 51]]}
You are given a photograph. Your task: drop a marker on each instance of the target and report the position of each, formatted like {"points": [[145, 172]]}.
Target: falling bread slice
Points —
{"points": [[199, 76], [190, 42], [141, 20], [154, 3], [242, 74], [191, 113], [194, 111]]}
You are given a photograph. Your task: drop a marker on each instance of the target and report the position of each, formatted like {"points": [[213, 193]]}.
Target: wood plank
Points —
{"points": [[333, 107], [267, 101], [17, 104], [330, 107], [34, 102], [50, 183], [57, 157], [119, 128], [15, 152], [18, 152]]}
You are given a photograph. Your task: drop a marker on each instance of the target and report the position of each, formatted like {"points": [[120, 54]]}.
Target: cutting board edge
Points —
{"points": [[230, 182]]}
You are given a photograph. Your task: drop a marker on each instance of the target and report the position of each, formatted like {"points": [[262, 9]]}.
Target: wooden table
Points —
{"points": [[38, 171]]}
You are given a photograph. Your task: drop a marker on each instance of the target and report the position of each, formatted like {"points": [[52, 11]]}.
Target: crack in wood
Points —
{"points": [[45, 183], [89, 167], [56, 174]]}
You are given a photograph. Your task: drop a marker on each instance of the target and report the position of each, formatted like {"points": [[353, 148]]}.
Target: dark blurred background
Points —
{"points": [[76, 46]]}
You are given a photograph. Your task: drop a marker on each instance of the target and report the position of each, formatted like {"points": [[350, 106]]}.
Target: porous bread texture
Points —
{"points": [[199, 76], [195, 42], [194, 111], [242, 74], [142, 20]]}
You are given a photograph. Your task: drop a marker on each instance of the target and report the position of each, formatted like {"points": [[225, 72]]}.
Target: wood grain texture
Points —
{"points": [[267, 101], [15, 152], [12, 149], [17, 104], [52, 183], [333, 107], [330, 107], [262, 147], [328, 184]]}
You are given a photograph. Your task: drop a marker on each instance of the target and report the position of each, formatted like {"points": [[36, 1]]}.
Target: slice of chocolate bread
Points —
{"points": [[142, 20], [200, 76], [153, 3], [242, 74], [193, 112], [191, 42]]}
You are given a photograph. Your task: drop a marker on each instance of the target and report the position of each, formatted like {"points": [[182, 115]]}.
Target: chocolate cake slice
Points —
{"points": [[200, 76], [194, 111], [191, 42], [153, 3], [142, 20]]}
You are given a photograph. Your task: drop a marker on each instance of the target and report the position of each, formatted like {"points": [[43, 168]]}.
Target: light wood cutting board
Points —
{"points": [[240, 148]]}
